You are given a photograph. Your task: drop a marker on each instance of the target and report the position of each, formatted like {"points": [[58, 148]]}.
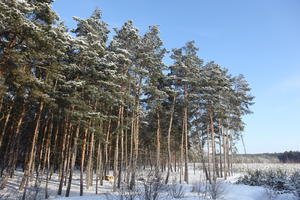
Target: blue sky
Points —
{"points": [[258, 38]]}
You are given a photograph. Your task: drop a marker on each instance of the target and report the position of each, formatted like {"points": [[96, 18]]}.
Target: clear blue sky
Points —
{"points": [[258, 38]]}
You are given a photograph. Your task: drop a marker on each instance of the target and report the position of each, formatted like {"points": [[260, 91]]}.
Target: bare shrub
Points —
{"points": [[216, 190], [176, 191], [149, 189], [125, 193], [152, 187], [201, 189], [4, 196]]}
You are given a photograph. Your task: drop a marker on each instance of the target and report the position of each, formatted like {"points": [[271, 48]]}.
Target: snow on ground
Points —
{"points": [[230, 190]]}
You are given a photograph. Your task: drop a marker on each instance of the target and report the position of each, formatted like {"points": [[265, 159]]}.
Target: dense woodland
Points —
{"points": [[103, 101]]}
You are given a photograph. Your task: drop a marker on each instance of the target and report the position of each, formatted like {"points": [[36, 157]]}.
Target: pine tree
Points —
{"points": [[186, 70]]}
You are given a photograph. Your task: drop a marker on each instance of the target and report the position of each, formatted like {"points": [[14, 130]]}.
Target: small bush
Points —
{"points": [[277, 181], [176, 191], [216, 190], [295, 183], [152, 189], [125, 193], [271, 194]]}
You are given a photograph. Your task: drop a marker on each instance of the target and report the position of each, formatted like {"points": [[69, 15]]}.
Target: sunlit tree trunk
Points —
{"points": [[157, 145], [73, 160], [29, 164], [169, 139]]}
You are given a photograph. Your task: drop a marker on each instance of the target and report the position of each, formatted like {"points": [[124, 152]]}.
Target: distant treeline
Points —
{"points": [[286, 157], [289, 157]]}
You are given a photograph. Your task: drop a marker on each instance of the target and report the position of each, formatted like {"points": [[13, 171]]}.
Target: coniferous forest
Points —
{"points": [[99, 100]]}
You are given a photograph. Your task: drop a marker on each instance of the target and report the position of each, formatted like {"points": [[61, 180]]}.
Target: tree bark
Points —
{"points": [[5, 124], [122, 148], [169, 139], [213, 146], [89, 170], [157, 145], [28, 168], [82, 160], [98, 165], [73, 159], [13, 149]]}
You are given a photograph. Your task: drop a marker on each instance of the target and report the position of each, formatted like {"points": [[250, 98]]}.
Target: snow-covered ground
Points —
{"points": [[228, 189], [229, 192]]}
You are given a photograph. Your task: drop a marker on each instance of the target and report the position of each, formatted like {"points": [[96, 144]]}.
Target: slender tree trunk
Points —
{"points": [[5, 124], [131, 147], [106, 149], [220, 147], [208, 153], [39, 150], [116, 155], [48, 172], [225, 153], [228, 152], [98, 165], [213, 146], [55, 155], [63, 155], [231, 154], [181, 153], [122, 148], [73, 159], [89, 170], [67, 158], [169, 140], [13, 149], [30, 163], [136, 134], [186, 161], [27, 172], [126, 147], [82, 160], [47, 145], [203, 160], [157, 145]]}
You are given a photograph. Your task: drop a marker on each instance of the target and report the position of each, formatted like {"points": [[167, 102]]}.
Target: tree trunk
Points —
{"points": [[203, 160], [136, 135], [5, 124], [48, 172], [213, 146], [106, 164], [169, 140], [157, 145], [116, 155], [73, 159], [47, 145], [63, 155], [89, 170], [131, 148], [220, 147], [208, 152], [224, 152], [98, 165], [27, 172], [186, 160], [122, 148], [13, 149], [181, 154], [82, 160]]}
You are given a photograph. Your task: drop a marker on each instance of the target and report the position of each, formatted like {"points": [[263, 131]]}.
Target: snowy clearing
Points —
{"points": [[228, 190]]}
